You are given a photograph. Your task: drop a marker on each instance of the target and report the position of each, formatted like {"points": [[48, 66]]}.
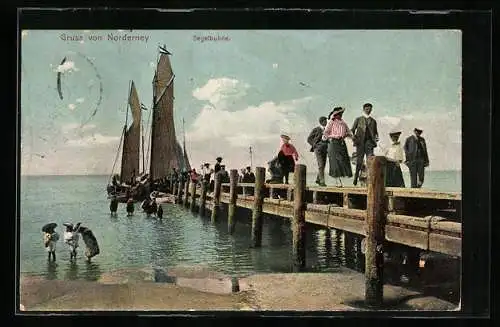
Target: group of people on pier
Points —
{"points": [[328, 142]]}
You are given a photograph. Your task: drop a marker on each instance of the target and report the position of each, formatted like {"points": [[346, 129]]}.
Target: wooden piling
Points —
{"points": [[271, 193], [289, 194], [180, 188], [216, 196], [193, 196], [186, 192], [346, 203], [233, 196], [315, 197], [299, 219], [375, 231], [260, 176], [203, 198]]}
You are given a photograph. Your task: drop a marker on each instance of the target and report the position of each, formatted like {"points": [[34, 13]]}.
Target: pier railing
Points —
{"points": [[419, 218]]}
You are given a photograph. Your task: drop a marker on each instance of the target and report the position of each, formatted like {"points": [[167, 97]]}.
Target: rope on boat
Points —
{"points": [[116, 158]]}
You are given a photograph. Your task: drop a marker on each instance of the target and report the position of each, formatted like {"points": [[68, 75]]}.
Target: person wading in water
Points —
{"points": [[336, 131], [365, 137], [287, 156], [113, 206], [130, 207]]}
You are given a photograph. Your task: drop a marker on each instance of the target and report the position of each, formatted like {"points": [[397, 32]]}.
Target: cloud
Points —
{"points": [[71, 106], [92, 140], [80, 100], [24, 33], [73, 126], [68, 66], [217, 91]]}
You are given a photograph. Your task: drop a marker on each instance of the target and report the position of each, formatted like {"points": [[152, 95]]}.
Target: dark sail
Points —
{"points": [[131, 140], [164, 146]]}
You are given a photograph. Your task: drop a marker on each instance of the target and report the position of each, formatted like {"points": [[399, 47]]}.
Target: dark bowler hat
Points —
{"points": [[284, 136], [207, 164], [248, 168], [218, 158], [418, 130], [394, 133]]}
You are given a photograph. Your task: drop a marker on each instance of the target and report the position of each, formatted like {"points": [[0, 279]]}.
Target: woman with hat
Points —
{"points": [[394, 155], [336, 131], [287, 156]]}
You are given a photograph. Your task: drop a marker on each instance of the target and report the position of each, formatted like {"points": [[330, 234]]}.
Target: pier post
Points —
{"points": [[299, 219], [233, 195], [186, 192], [203, 198], [315, 197], [193, 196], [289, 194], [216, 196], [260, 176], [179, 191], [271, 192], [375, 231]]}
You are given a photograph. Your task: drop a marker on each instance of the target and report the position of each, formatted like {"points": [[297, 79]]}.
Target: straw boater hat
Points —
{"points": [[336, 110], [285, 137], [395, 133], [418, 130], [218, 158]]}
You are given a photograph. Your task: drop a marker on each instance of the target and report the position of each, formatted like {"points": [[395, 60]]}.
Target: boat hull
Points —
{"points": [[162, 197]]}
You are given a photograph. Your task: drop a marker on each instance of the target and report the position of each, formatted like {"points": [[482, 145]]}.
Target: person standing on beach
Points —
{"points": [[417, 158], [287, 156], [130, 207], [394, 156], [365, 137], [335, 132], [320, 149]]}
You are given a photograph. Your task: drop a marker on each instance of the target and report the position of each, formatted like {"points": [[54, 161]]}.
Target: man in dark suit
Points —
{"points": [[365, 137], [320, 149], [416, 157]]}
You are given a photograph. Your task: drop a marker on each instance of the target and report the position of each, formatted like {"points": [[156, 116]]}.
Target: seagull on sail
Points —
{"points": [[143, 107], [163, 49], [303, 84]]}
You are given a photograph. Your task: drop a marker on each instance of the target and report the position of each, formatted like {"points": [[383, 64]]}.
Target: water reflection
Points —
{"points": [[71, 271], [51, 270], [92, 271]]}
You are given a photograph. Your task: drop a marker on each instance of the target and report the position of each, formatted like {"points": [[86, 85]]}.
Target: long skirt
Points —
{"points": [[92, 248], [394, 175], [338, 158], [287, 163]]}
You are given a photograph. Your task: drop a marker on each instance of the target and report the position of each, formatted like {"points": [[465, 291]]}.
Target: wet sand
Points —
{"points": [[200, 289]]}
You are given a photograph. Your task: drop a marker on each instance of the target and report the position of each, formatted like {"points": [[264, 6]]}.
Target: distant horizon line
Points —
{"points": [[311, 172]]}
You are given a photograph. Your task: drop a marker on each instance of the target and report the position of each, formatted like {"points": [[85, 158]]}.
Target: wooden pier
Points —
{"points": [[418, 218]]}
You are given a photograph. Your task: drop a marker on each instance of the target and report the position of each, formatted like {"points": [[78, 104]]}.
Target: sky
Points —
{"points": [[241, 90]]}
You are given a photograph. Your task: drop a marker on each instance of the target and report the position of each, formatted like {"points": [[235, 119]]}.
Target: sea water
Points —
{"points": [[181, 238]]}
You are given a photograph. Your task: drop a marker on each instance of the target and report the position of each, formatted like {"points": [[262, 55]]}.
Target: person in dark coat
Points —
{"points": [[417, 158], [159, 212], [287, 156], [130, 207], [113, 205], [275, 170], [365, 137], [320, 149], [394, 156], [335, 132], [217, 164]]}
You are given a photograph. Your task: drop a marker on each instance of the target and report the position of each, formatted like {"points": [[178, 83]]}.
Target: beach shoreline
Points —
{"points": [[195, 289]]}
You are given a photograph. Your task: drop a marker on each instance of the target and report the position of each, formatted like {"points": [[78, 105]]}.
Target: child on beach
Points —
{"points": [[50, 239], [71, 238]]}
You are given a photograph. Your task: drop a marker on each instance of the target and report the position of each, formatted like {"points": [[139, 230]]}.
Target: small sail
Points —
{"points": [[132, 139]]}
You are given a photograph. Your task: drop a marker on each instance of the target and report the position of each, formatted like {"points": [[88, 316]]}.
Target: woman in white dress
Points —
{"points": [[71, 238]]}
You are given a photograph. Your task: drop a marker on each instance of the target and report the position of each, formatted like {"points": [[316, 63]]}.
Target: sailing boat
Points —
{"points": [[166, 152], [121, 184]]}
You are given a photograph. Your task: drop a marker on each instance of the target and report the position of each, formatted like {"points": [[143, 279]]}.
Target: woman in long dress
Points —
{"points": [[394, 156], [287, 156], [335, 132], [92, 248]]}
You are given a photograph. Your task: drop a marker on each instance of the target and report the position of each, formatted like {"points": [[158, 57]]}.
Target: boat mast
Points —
{"points": [[251, 157], [184, 145]]}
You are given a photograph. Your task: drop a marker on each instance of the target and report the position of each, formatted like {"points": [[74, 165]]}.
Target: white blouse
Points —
{"points": [[395, 153]]}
